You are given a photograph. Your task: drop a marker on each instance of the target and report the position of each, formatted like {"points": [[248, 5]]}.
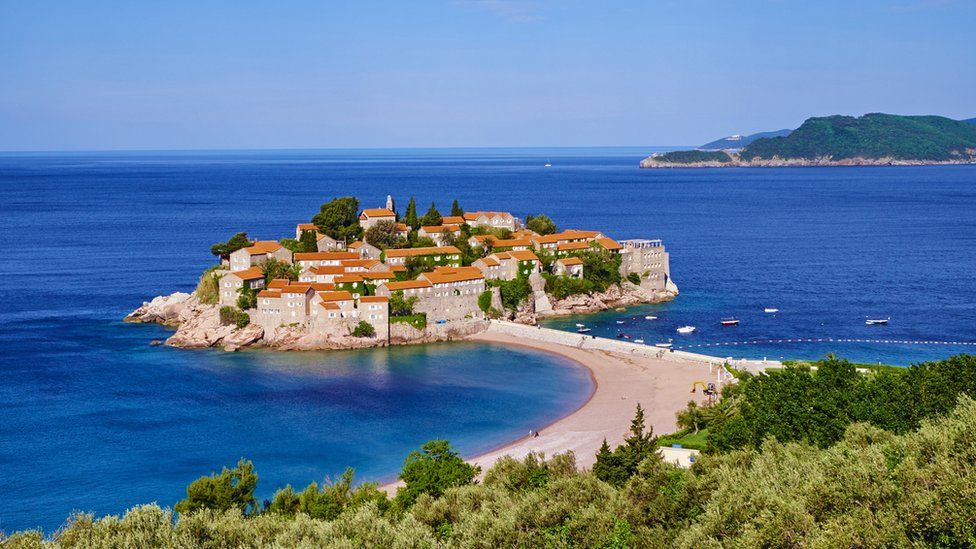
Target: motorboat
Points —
{"points": [[770, 310], [548, 164], [580, 325], [686, 329], [730, 321], [639, 340], [649, 317], [620, 322], [663, 345], [624, 336], [583, 330], [876, 321]]}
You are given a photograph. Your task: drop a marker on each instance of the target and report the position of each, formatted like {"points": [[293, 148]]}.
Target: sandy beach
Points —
{"points": [[661, 386]]}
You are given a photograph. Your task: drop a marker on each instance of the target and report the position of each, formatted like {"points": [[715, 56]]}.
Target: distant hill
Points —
{"points": [[739, 141], [872, 139], [970, 120]]}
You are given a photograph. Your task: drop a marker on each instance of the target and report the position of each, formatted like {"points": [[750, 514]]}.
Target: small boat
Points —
{"points": [[663, 345], [730, 321], [548, 164], [649, 317], [686, 329], [580, 325], [583, 330], [624, 336], [639, 340], [770, 310], [620, 322], [876, 321]]}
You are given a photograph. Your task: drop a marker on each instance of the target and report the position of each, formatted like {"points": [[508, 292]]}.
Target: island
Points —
{"points": [[870, 140], [354, 278]]}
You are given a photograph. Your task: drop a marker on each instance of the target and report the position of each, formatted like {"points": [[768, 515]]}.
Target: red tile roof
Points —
{"points": [[325, 256], [407, 285], [378, 212], [374, 299], [411, 252], [253, 273], [263, 247], [341, 295], [442, 275]]}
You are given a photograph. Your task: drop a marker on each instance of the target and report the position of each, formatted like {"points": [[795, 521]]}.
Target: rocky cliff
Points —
{"points": [[624, 295]]}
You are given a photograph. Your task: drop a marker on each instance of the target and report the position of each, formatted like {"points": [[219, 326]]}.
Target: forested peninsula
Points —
{"points": [[870, 140]]}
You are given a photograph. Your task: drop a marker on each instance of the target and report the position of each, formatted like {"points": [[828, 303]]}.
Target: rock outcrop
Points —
{"points": [[624, 295], [164, 310]]}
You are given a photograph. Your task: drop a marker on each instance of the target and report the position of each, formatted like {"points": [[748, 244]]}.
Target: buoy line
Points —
{"points": [[826, 340]]}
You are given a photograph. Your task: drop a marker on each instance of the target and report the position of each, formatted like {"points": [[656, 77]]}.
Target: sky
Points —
{"points": [[234, 74]]}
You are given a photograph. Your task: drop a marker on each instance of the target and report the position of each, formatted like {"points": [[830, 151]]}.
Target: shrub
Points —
{"points": [[208, 289], [634, 279], [484, 301], [562, 287], [401, 306], [242, 320], [232, 488], [432, 470], [247, 298], [232, 315], [364, 329]]}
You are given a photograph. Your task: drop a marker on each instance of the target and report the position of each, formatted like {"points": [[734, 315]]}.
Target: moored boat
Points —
{"points": [[876, 321], [686, 329], [770, 310], [650, 317], [583, 330], [730, 321]]}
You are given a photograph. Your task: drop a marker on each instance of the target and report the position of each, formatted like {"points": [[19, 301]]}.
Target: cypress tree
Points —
{"points": [[456, 210], [411, 216]]}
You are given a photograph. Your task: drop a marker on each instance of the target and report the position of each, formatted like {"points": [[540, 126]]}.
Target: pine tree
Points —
{"points": [[411, 216], [456, 210], [639, 445], [432, 218]]}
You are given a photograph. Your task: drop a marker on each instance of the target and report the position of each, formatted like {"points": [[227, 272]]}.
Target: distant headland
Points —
{"points": [[870, 140], [371, 277]]}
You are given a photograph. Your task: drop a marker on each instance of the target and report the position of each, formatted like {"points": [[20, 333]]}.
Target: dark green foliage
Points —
{"points": [[692, 157], [247, 298], [616, 466], [562, 287], [208, 288], [401, 306], [234, 243], [541, 224], [306, 244], [601, 268], [531, 473], [382, 234], [233, 315], [798, 403], [874, 135], [456, 210], [432, 217], [364, 329], [272, 269], [432, 470], [513, 292], [339, 218], [232, 488], [484, 301], [410, 218], [634, 278], [327, 502]]}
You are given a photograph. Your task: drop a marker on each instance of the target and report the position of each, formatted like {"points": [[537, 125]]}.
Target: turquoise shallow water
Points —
{"points": [[92, 418]]}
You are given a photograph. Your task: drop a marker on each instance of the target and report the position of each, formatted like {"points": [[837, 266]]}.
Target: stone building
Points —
{"points": [[257, 254], [649, 260], [498, 220], [232, 282], [372, 216]]}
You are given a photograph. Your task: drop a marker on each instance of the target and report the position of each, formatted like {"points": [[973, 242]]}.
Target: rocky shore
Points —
{"points": [[736, 162], [198, 325]]}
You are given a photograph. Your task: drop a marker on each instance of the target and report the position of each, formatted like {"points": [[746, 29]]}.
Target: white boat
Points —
{"points": [[639, 340], [686, 329], [548, 164], [770, 310], [876, 321], [649, 317], [620, 322], [663, 345], [580, 325], [583, 330], [731, 321]]}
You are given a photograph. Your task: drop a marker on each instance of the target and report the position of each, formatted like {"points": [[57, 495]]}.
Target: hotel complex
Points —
{"points": [[342, 284]]}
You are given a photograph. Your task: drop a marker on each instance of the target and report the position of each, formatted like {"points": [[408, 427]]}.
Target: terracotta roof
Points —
{"points": [[377, 275], [253, 273], [296, 288], [328, 305], [334, 256], [366, 263], [402, 227], [452, 220], [398, 268], [523, 255], [440, 228], [510, 242], [442, 275], [374, 299], [490, 261], [356, 244], [269, 293], [480, 238], [407, 285], [340, 295], [322, 286], [410, 252], [570, 246], [569, 261], [524, 233], [278, 283], [609, 243], [347, 278], [475, 215], [307, 227], [320, 236], [262, 247], [328, 270], [569, 234], [378, 212]]}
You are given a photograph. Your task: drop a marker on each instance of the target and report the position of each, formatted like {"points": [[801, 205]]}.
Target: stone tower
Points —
{"points": [[389, 203]]}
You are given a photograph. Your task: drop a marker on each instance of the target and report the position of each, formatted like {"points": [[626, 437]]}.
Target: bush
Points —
{"points": [[232, 315], [247, 298], [634, 279], [484, 301], [540, 224], [208, 289], [232, 488], [513, 292], [401, 306], [364, 329], [562, 287], [418, 321], [432, 470]]}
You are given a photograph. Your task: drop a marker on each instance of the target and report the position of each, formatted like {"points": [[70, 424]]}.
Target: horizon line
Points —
{"points": [[315, 149]]}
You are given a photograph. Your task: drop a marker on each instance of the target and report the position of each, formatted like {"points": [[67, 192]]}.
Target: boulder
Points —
{"points": [[164, 309]]}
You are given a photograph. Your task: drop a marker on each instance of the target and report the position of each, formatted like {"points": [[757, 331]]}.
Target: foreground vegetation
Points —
{"points": [[855, 484]]}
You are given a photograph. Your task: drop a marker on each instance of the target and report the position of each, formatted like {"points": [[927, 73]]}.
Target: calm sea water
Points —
{"points": [[92, 418]]}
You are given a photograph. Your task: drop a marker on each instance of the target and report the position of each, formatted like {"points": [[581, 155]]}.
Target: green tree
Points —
{"points": [[401, 306], [247, 298], [541, 224], [339, 218], [432, 470], [484, 301], [234, 243], [273, 268], [432, 217], [692, 417], [615, 467], [232, 488], [634, 279], [382, 234], [456, 210], [411, 216], [364, 329]]}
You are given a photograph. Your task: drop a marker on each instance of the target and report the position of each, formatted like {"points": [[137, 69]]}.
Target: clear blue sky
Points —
{"points": [[306, 74]]}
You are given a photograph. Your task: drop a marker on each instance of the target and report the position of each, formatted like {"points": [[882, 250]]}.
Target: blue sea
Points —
{"points": [[92, 418]]}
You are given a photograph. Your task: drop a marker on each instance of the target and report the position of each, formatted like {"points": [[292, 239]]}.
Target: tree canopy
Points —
{"points": [[456, 210], [432, 217], [432, 470], [234, 243], [339, 218], [232, 488], [410, 218], [540, 224], [382, 234]]}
